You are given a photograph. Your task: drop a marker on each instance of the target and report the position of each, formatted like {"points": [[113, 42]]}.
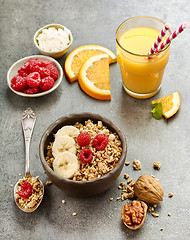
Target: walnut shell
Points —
{"points": [[148, 189], [133, 214]]}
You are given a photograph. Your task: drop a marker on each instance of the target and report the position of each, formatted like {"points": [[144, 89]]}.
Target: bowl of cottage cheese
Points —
{"points": [[53, 40]]}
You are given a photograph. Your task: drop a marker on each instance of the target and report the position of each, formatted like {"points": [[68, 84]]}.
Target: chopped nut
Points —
{"points": [[155, 214], [48, 183], [154, 205], [127, 163], [74, 214], [111, 199], [120, 187], [137, 164], [118, 198], [63, 201], [157, 165], [170, 194], [169, 214], [150, 209], [126, 176]]}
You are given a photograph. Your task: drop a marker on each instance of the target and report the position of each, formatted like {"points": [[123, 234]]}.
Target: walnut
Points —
{"points": [[148, 189], [133, 214]]}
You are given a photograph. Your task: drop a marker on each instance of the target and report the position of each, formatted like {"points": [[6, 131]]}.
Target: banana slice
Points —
{"points": [[67, 130], [62, 144], [65, 164]]}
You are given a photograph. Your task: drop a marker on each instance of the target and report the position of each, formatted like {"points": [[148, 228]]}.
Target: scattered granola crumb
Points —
{"points": [[48, 183], [11, 185], [127, 163], [154, 205], [120, 187], [157, 165], [118, 198], [74, 214], [124, 185], [169, 214], [150, 209], [137, 164], [111, 199], [129, 180], [161, 229], [170, 194], [63, 201], [20, 174], [126, 176], [153, 176], [155, 214]]}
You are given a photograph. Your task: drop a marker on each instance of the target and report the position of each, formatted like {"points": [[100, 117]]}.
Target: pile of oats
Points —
{"points": [[103, 161], [36, 196]]}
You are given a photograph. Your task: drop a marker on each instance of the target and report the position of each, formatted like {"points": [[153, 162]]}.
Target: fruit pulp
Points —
{"points": [[140, 74]]}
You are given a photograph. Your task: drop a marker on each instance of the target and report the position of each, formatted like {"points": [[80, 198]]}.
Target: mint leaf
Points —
{"points": [[157, 110]]}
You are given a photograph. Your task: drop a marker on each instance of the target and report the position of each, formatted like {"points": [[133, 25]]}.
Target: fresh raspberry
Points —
{"points": [[33, 79], [18, 83], [45, 63], [32, 90], [86, 155], [83, 139], [53, 71], [35, 61], [100, 142], [44, 72], [46, 83], [26, 190], [23, 73]]}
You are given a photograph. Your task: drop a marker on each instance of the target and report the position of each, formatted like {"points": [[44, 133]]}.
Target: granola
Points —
{"points": [[103, 161]]}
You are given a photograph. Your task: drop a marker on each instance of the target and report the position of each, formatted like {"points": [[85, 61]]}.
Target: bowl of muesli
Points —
{"points": [[83, 154]]}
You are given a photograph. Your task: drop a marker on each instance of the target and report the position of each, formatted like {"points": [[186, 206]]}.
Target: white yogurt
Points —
{"points": [[53, 40]]}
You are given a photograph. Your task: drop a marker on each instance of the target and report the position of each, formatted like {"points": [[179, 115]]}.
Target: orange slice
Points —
{"points": [[93, 77], [77, 57], [170, 104]]}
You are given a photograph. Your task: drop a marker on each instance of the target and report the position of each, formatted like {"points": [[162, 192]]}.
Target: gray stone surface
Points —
{"points": [[167, 141]]}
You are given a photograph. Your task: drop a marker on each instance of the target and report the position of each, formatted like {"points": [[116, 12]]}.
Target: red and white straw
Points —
{"points": [[159, 38], [171, 37]]}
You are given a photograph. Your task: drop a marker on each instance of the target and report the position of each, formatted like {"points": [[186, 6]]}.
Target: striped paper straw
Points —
{"points": [[159, 38], [171, 37]]}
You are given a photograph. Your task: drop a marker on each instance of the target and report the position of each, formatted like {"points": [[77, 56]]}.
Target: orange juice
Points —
{"points": [[141, 76]]}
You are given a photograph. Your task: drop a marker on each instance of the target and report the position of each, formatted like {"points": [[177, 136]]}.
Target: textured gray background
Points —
{"points": [[95, 22]]}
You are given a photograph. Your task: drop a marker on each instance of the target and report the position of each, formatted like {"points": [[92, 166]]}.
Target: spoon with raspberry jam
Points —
{"points": [[23, 189]]}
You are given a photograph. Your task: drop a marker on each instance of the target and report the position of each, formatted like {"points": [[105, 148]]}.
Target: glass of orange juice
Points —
{"points": [[141, 76]]}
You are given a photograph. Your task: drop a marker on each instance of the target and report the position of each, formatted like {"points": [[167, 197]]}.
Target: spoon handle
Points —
{"points": [[28, 122]]}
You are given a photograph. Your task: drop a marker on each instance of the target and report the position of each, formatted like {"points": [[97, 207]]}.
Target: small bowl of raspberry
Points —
{"points": [[34, 76], [53, 40], [83, 154]]}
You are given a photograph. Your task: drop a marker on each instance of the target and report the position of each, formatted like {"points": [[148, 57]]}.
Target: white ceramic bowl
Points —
{"points": [[17, 65], [57, 54]]}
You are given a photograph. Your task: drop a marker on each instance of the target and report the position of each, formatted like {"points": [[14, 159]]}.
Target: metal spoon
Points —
{"points": [[28, 122]]}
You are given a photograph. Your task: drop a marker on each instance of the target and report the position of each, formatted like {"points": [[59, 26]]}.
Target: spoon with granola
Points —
{"points": [[29, 191]]}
